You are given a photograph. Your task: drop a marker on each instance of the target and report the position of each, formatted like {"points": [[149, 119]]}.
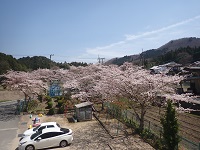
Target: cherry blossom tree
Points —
{"points": [[137, 85], [103, 82], [25, 82]]}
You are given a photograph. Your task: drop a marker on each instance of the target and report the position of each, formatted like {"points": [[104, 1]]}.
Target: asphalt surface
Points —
{"points": [[8, 124]]}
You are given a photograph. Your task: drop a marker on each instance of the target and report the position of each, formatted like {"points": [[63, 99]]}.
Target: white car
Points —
{"points": [[42, 126], [47, 138]]}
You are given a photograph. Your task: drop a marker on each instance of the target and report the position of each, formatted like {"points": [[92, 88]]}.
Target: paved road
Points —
{"points": [[8, 124]]}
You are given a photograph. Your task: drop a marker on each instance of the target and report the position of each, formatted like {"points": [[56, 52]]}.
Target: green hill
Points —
{"points": [[8, 62], [183, 51]]}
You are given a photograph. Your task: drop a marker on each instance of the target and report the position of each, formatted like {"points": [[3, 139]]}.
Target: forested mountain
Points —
{"points": [[8, 62], [36, 62], [184, 51]]}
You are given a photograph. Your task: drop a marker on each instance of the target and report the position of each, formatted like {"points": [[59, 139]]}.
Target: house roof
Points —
{"points": [[84, 104]]}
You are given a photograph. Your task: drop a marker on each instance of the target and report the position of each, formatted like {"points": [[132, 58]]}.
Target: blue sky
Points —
{"points": [[80, 30]]}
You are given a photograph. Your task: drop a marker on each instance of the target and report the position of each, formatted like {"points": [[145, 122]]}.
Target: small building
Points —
{"points": [[169, 68], [193, 79], [83, 111]]}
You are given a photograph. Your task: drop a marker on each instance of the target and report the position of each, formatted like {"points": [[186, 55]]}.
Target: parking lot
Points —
{"points": [[88, 135]]}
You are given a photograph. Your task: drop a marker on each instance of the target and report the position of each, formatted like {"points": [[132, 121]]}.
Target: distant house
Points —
{"points": [[169, 68], [193, 79], [83, 111]]}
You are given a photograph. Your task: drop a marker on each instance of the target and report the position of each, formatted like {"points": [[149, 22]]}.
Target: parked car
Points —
{"points": [[46, 138], [42, 126]]}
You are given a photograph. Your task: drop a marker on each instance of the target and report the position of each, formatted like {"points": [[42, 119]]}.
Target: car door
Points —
{"points": [[42, 141], [55, 139]]}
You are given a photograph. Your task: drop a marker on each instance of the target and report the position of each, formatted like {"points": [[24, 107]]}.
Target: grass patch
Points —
{"points": [[4, 100]]}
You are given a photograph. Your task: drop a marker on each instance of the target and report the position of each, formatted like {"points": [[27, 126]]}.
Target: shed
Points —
{"points": [[194, 79], [84, 111]]}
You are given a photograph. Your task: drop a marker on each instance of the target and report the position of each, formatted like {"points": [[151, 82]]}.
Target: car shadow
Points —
{"points": [[44, 148], [57, 147]]}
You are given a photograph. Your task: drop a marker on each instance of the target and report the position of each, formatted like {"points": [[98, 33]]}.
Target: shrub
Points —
{"points": [[60, 103], [48, 98], [51, 111], [50, 104], [61, 109]]}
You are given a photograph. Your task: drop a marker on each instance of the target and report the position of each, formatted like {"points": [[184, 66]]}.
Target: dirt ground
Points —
{"points": [[10, 95], [87, 135]]}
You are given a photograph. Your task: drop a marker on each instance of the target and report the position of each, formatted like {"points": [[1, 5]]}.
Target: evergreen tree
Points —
{"points": [[170, 128]]}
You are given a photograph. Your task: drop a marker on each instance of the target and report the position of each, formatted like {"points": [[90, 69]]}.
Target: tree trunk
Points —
{"points": [[102, 105]]}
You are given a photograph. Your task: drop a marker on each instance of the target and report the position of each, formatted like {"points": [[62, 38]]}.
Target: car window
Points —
{"points": [[35, 134], [41, 128], [57, 124], [46, 135], [50, 126], [55, 133], [36, 128]]}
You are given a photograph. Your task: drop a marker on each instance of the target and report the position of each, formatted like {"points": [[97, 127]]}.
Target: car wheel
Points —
{"points": [[63, 143], [30, 147]]}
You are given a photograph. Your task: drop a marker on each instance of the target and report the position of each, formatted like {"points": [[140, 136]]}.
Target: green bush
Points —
{"points": [[61, 109], [59, 97], [60, 103], [50, 104], [51, 111], [48, 98]]}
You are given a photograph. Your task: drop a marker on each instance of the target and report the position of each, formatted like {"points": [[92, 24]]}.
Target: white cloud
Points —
{"points": [[133, 44]]}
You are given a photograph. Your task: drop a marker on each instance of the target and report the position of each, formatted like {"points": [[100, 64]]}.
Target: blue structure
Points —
{"points": [[55, 89]]}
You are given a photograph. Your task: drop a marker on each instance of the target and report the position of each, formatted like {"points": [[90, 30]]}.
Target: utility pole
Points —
{"points": [[100, 60], [51, 55], [50, 59], [142, 58]]}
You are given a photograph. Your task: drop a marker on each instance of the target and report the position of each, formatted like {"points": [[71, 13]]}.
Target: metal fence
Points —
{"points": [[20, 106], [128, 117]]}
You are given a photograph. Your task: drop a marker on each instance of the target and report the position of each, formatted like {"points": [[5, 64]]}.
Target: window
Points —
{"points": [[53, 134], [50, 126], [36, 128], [35, 134], [43, 127], [46, 135]]}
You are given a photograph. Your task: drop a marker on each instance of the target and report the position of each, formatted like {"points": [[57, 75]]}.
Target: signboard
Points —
{"points": [[55, 89]]}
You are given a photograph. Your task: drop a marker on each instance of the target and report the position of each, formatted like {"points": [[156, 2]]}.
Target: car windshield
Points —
{"points": [[34, 129], [57, 124], [36, 134]]}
